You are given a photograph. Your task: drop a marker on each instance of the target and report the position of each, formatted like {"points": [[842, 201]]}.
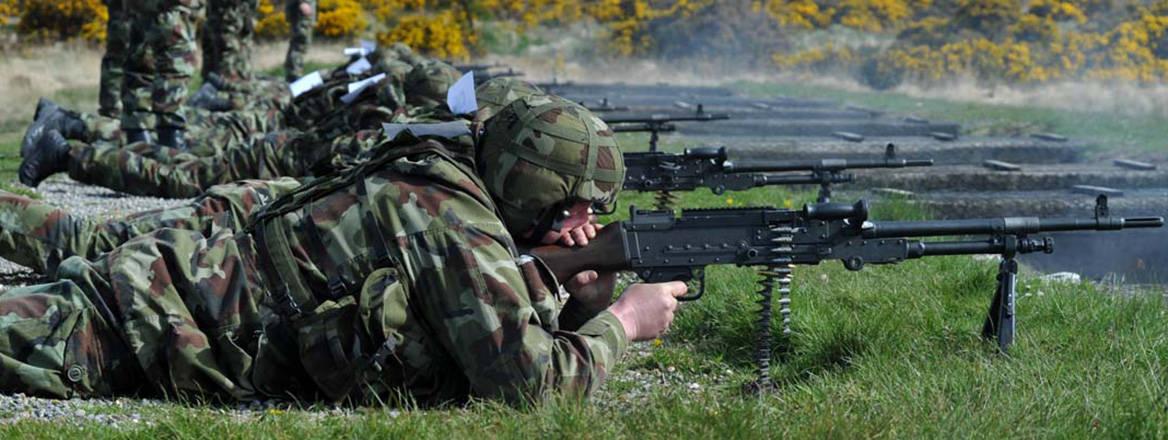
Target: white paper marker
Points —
{"points": [[460, 98], [367, 47], [358, 67], [305, 83], [356, 87]]}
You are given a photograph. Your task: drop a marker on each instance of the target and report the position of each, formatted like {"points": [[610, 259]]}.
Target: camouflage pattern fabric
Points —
{"points": [[117, 35], [427, 83], [166, 172], [39, 236], [496, 93], [228, 36], [453, 310], [160, 62], [300, 27], [542, 149], [208, 133]]}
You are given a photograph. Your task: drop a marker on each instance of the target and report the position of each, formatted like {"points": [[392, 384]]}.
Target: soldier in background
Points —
{"points": [[301, 15], [409, 282], [39, 236], [117, 35], [342, 136], [158, 67], [227, 40]]}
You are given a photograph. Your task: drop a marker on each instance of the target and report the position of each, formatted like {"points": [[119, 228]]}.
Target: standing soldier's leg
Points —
{"points": [[117, 34], [137, 120], [301, 16], [38, 235], [172, 38], [210, 34], [238, 28]]}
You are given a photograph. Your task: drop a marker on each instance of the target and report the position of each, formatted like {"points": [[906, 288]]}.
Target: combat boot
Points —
{"points": [[207, 98], [50, 156], [173, 138], [135, 135], [49, 116]]}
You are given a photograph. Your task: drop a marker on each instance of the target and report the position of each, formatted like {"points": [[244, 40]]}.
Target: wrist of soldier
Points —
{"points": [[626, 316], [575, 313]]}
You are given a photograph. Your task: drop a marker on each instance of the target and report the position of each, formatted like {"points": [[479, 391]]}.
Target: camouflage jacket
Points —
{"points": [[398, 275]]}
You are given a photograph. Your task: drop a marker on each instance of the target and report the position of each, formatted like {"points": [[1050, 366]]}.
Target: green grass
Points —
{"points": [[1109, 130], [891, 351]]}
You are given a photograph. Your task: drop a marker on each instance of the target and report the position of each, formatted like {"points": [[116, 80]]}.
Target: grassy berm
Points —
{"points": [[891, 351]]}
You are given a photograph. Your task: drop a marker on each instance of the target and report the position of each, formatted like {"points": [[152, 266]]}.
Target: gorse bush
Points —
{"points": [[998, 41], [925, 41], [56, 19]]}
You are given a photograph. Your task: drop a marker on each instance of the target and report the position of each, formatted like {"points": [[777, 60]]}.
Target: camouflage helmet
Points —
{"points": [[393, 68], [427, 83], [496, 93], [400, 49], [540, 154]]}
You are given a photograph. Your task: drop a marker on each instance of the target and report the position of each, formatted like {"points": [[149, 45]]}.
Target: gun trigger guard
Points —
{"points": [[699, 275]]}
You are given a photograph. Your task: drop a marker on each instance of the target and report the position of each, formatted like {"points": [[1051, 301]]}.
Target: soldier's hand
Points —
{"points": [[581, 234], [590, 293], [591, 288], [646, 310]]}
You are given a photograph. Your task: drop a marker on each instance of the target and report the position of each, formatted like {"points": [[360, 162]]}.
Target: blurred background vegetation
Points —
{"points": [[881, 43]]}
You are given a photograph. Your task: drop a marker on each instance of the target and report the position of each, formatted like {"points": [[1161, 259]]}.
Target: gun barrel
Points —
{"points": [[1006, 225], [660, 118], [823, 165]]}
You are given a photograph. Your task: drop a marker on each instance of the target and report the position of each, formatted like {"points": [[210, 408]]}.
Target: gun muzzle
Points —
{"points": [[1143, 222]]}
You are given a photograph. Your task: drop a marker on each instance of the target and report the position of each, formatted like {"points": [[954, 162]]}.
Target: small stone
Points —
{"points": [[693, 386]]}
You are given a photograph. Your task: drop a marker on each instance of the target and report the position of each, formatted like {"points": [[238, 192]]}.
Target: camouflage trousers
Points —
{"points": [[208, 133], [39, 236], [165, 172], [172, 313], [160, 62], [178, 308], [300, 36], [227, 39], [117, 35]]}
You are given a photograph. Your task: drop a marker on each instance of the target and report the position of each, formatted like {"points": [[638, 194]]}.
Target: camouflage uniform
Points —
{"points": [[210, 133], [165, 172], [160, 63], [300, 27], [398, 276], [39, 236], [117, 34], [233, 148], [227, 39]]}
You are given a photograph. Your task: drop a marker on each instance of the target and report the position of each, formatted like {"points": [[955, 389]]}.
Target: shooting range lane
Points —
{"points": [[1037, 174]]}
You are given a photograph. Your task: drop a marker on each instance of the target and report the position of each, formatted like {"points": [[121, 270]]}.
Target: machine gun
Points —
{"points": [[604, 106], [478, 67], [482, 76], [657, 123], [662, 246], [709, 167]]}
